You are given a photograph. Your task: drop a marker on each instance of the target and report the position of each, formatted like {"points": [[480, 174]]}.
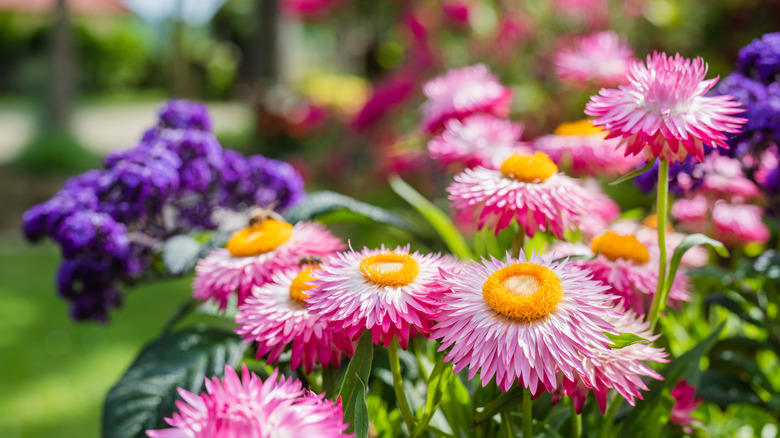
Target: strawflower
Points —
{"points": [[599, 58]]}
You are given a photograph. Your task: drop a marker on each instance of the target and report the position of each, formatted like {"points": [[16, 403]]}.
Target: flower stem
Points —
{"points": [[506, 419], [613, 404], [576, 423], [659, 300], [398, 386], [528, 421], [518, 242]]}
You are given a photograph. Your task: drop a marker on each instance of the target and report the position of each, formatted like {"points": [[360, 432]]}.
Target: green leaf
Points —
{"points": [[180, 254], [437, 385], [687, 243], [633, 174], [440, 222], [320, 203], [733, 307], [360, 419], [625, 339], [147, 390], [358, 370], [507, 400], [457, 407]]}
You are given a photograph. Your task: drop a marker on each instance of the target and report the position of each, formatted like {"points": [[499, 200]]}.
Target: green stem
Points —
{"points": [[613, 404], [528, 424], [659, 300], [398, 386], [576, 423], [506, 419], [180, 314], [518, 242]]}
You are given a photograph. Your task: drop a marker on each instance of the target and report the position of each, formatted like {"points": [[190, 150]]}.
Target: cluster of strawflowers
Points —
{"points": [[544, 321]]}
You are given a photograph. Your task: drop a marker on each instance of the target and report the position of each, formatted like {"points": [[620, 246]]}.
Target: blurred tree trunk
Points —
{"points": [[62, 73]]}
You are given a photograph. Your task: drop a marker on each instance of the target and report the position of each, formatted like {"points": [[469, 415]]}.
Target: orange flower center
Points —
{"points": [[300, 285], [651, 221], [580, 127], [390, 269], [534, 168], [620, 246], [523, 291], [259, 238]]}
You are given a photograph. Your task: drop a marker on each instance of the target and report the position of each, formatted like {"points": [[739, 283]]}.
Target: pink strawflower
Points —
{"points": [[647, 233], [275, 316], [527, 188], [691, 212], [684, 405], [602, 209], [524, 319], [627, 266], [250, 408], [308, 8], [583, 148], [738, 224], [724, 179], [393, 293], [258, 254], [618, 368], [478, 140], [456, 11], [387, 94], [600, 58], [460, 93], [663, 111]]}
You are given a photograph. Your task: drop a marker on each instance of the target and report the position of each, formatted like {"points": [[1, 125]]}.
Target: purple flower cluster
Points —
{"points": [[110, 222], [684, 178]]}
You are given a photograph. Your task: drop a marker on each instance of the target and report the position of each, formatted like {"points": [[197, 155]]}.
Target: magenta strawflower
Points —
{"points": [[599, 58], [523, 320], [254, 254], [247, 407], [460, 93], [392, 293], [685, 404], [478, 140], [663, 111], [583, 148], [527, 188], [619, 368], [275, 316]]}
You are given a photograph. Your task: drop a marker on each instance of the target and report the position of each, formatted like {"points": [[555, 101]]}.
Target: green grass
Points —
{"points": [[54, 372]]}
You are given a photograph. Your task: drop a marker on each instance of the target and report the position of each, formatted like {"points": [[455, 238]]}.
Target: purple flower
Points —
{"points": [[761, 58]]}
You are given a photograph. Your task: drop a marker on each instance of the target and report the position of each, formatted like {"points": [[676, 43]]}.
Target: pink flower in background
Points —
{"points": [[647, 233], [248, 407], [308, 8], [582, 147], [724, 179], [392, 293], [691, 212], [618, 368], [460, 93], [602, 209], [275, 316], [738, 224], [478, 140], [598, 58], [386, 95], [663, 111], [526, 188], [456, 11], [526, 320], [684, 405]]}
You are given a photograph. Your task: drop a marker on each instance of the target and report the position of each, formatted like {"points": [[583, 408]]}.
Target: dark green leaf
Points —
{"points": [[733, 307], [687, 243], [457, 407], [332, 378], [180, 254], [633, 174], [650, 418], [320, 203], [506, 400], [625, 339], [358, 370], [360, 419], [147, 391], [725, 389]]}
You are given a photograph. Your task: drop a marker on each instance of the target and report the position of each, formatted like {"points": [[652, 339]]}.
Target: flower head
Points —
{"points": [[527, 188], [761, 58], [524, 319], [663, 111], [477, 140], [390, 292], [684, 405], [254, 254], [276, 316], [738, 224], [463, 92], [599, 58], [248, 407]]}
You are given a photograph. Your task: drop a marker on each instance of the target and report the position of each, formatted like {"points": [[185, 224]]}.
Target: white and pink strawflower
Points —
{"points": [[526, 188], [235, 407], [460, 93], [620, 369], [523, 320], [600, 58], [581, 148], [254, 254], [275, 316], [393, 293], [664, 112], [478, 140]]}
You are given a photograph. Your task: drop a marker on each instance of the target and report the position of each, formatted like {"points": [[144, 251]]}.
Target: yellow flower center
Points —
{"points": [[523, 291], [259, 238], [651, 221], [580, 127], [300, 285], [390, 269], [620, 246], [529, 168]]}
